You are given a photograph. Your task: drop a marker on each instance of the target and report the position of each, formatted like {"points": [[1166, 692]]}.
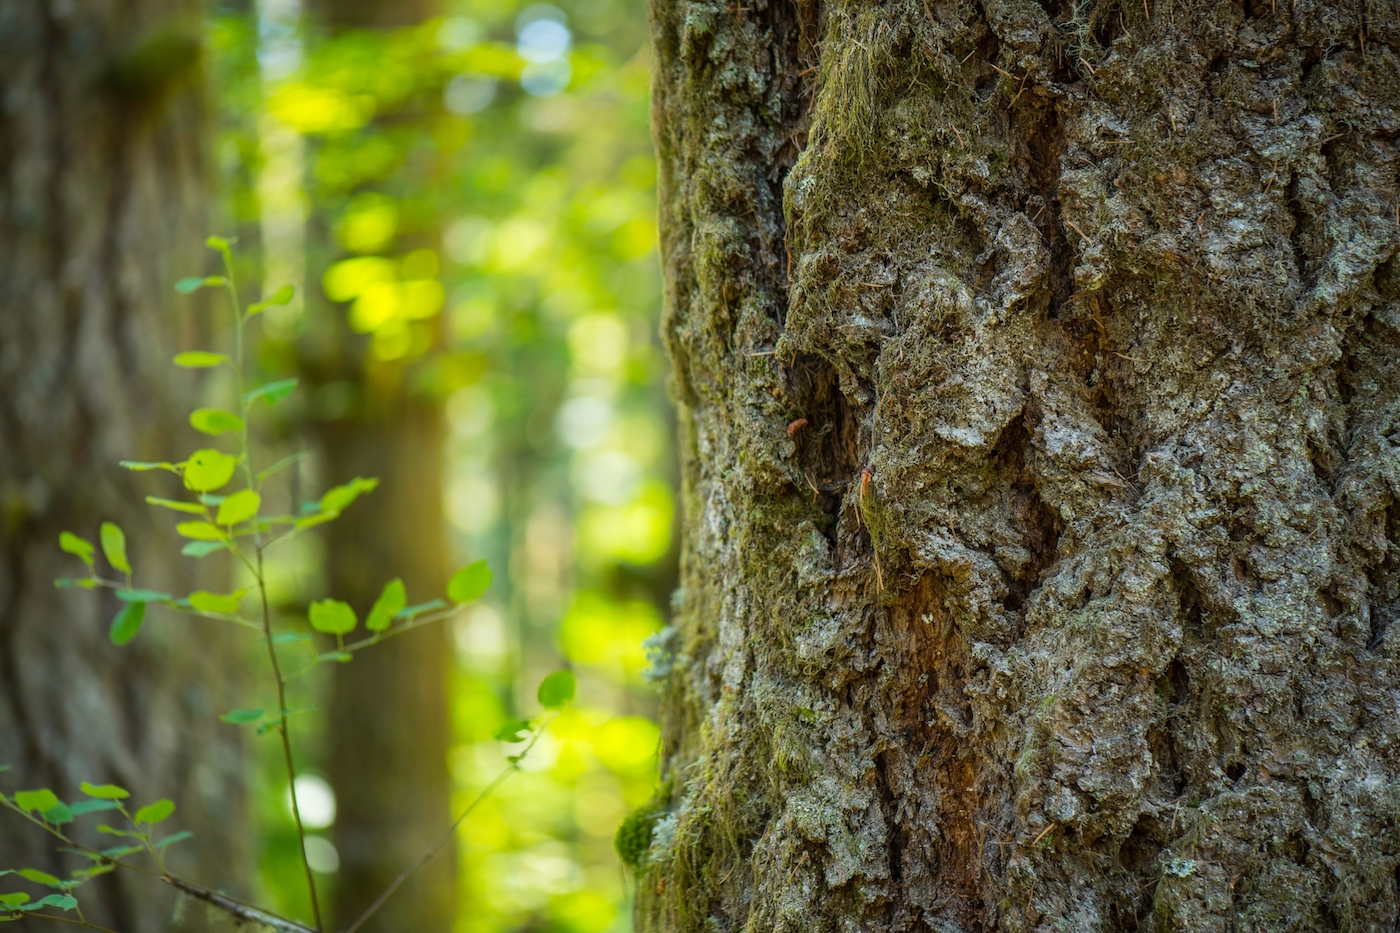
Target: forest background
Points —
{"points": [[464, 198]]}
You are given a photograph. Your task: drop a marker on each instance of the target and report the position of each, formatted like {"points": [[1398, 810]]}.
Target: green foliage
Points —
{"points": [[633, 837], [390, 603], [332, 617], [224, 603], [469, 583], [80, 548], [214, 421], [238, 507], [557, 689], [240, 717], [126, 623], [114, 547], [154, 813], [207, 470], [104, 791], [40, 800], [272, 393], [200, 359]]}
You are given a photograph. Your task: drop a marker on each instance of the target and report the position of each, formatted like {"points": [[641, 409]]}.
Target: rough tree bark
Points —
{"points": [[1069, 605], [102, 208]]}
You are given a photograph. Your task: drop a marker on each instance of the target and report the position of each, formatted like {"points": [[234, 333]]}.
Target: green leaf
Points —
{"points": [[272, 393], [141, 466], [339, 498], [557, 689], [215, 421], [199, 549], [104, 791], [86, 583], [332, 617], [201, 531], [173, 838], [114, 546], [314, 520], [153, 813], [192, 284], [120, 851], [290, 638], [80, 807], [41, 800], [80, 548], [238, 507], [193, 508], [37, 876], [341, 657], [216, 242], [207, 470], [469, 582], [513, 730], [199, 359], [126, 623], [113, 831], [390, 602], [61, 901], [14, 899], [141, 596], [282, 296], [59, 815], [241, 717], [227, 604]]}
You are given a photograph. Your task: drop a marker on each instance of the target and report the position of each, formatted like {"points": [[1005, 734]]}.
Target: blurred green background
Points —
{"points": [[464, 197]]}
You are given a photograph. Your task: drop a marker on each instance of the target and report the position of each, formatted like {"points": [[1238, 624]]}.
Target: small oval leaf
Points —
{"points": [[241, 717], [104, 791], [215, 421], [239, 507], [153, 813], [201, 531], [114, 546], [209, 469], [390, 602], [557, 689], [469, 583], [332, 617], [126, 623], [80, 548], [199, 359]]}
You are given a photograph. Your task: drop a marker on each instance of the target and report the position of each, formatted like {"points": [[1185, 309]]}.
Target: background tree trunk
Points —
{"points": [[102, 208], [1069, 605]]}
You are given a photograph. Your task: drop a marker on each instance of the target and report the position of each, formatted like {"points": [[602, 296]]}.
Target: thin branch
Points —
{"points": [[237, 909], [423, 859], [58, 919]]}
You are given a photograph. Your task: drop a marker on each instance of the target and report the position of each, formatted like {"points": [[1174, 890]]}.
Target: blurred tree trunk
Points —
{"points": [[389, 727], [103, 173], [1070, 604]]}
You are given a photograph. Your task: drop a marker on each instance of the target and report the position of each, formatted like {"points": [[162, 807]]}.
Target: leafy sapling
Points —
{"points": [[213, 519]]}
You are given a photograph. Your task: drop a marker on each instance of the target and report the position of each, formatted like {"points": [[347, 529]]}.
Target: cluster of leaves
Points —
{"points": [[232, 522]]}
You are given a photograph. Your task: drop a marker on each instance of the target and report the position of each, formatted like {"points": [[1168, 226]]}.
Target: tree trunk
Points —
{"points": [[389, 731], [1068, 605], [102, 208]]}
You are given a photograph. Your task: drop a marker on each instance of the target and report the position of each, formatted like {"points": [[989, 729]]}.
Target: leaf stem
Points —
{"points": [[287, 741]]}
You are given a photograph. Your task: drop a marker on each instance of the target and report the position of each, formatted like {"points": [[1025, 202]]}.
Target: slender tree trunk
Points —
{"points": [[102, 208], [389, 731], [1037, 367]]}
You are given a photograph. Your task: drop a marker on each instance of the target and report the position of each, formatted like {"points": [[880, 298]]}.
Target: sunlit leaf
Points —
{"points": [[104, 791], [201, 531], [227, 603], [241, 717], [339, 498], [215, 421], [113, 831], [85, 583], [209, 469], [61, 901], [114, 547], [272, 393], [239, 507], [154, 813], [557, 689], [194, 508], [80, 548], [282, 296], [469, 583], [217, 242], [13, 899], [513, 730], [290, 638], [141, 466], [199, 359], [411, 611], [40, 800], [390, 602], [126, 623], [332, 617]]}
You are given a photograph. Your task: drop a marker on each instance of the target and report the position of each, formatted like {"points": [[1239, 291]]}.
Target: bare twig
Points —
{"points": [[237, 909]]}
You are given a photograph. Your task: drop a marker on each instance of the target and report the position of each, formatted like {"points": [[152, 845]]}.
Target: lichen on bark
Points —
{"points": [[1068, 606]]}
